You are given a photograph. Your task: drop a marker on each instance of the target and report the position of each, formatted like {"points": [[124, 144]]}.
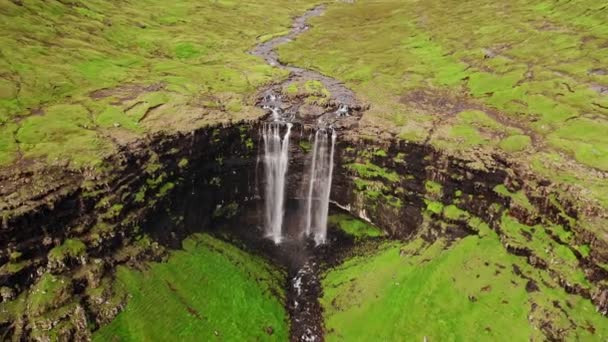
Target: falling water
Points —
{"points": [[319, 186], [276, 160], [343, 110]]}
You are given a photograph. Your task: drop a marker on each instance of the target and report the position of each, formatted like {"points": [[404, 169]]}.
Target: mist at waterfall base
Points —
{"points": [[317, 182]]}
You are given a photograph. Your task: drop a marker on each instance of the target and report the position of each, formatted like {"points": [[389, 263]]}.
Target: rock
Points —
{"points": [[531, 286], [6, 294], [487, 53], [600, 89], [311, 110], [598, 71], [600, 298], [269, 330]]}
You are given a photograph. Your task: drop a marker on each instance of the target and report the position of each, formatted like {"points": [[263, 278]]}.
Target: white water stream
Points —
{"points": [[276, 162], [319, 187]]}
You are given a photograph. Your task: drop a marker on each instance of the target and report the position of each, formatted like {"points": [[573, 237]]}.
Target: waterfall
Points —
{"points": [[276, 160], [319, 173], [319, 186]]}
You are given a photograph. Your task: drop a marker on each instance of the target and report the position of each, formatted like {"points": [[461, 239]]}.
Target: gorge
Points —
{"points": [[303, 219]]}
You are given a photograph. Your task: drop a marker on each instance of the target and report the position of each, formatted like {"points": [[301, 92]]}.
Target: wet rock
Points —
{"points": [[311, 110]]}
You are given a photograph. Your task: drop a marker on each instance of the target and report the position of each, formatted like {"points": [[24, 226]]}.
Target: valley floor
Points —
{"points": [[209, 290]]}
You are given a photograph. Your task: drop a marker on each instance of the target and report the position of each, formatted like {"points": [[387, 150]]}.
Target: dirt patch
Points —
{"points": [[126, 92], [600, 89], [444, 104], [598, 71], [437, 102]]}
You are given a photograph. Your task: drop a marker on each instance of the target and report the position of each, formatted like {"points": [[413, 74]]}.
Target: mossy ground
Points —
{"points": [[313, 92], [469, 290], [354, 227], [79, 77], [209, 290], [525, 77]]}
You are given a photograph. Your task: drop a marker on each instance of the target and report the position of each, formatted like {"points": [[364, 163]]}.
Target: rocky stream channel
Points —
{"points": [[170, 186]]}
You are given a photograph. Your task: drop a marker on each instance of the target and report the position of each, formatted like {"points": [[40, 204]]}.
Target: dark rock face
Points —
{"points": [[168, 187], [93, 225], [398, 208]]}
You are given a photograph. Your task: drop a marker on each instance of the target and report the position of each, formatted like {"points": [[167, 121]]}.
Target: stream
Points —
{"points": [[301, 256]]}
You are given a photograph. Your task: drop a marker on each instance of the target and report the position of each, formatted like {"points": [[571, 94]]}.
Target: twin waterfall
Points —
{"points": [[314, 211], [319, 187], [276, 161]]}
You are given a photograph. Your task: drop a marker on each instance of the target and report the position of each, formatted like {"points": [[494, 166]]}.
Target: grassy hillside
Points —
{"points": [[447, 293], [79, 77], [210, 290], [529, 78]]}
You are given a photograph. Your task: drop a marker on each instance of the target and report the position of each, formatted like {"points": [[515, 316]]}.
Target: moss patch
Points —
{"points": [[354, 226]]}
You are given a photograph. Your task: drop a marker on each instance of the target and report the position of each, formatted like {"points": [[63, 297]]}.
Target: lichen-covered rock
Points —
{"points": [[6, 294], [600, 298], [72, 251], [48, 293], [68, 323]]}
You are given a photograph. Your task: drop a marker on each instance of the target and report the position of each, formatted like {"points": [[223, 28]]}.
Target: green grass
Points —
{"points": [[452, 212], [209, 290], [537, 238], [64, 132], [370, 171], [515, 143], [305, 145], [434, 206], [586, 139], [159, 65], [433, 188], [48, 293], [355, 227], [462, 293], [481, 75], [71, 248], [312, 91], [519, 197]]}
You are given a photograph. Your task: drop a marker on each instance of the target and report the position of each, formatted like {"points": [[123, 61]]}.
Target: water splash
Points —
{"points": [[343, 110], [304, 286], [276, 162]]}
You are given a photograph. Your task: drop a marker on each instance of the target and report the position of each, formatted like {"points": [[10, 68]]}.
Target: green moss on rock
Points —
{"points": [[355, 227]]}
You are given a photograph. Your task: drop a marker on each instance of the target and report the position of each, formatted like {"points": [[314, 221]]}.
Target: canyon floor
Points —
{"points": [[470, 190]]}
